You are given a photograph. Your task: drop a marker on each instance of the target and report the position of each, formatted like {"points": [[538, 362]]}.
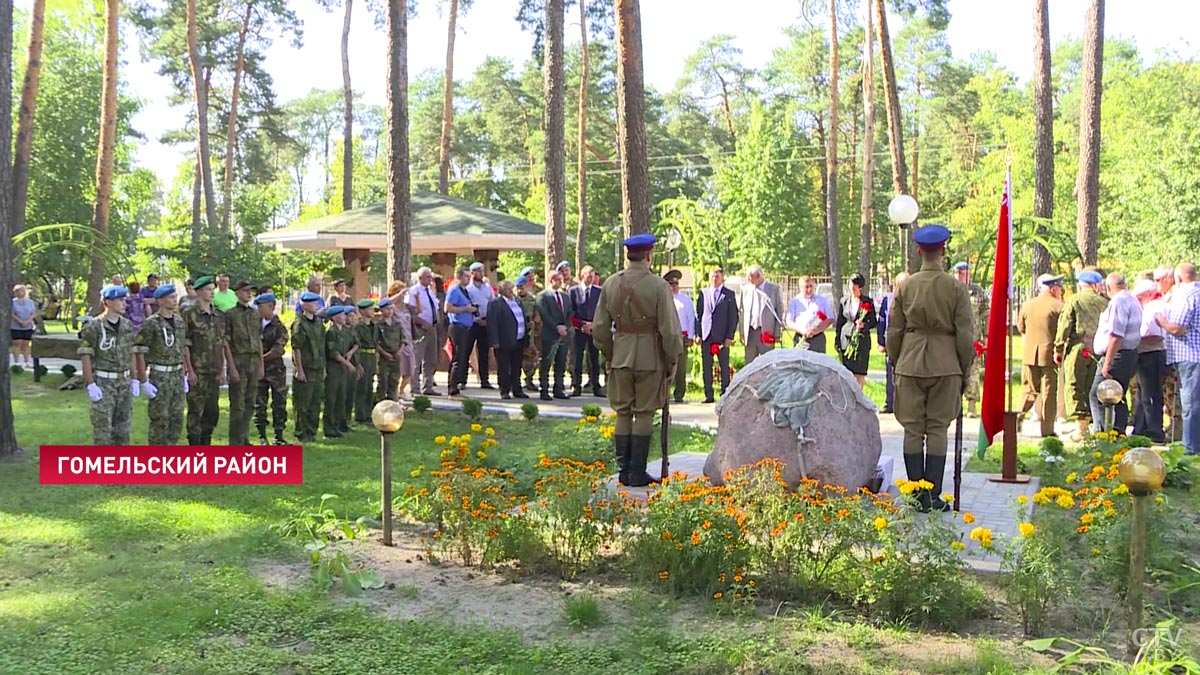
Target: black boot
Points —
{"points": [[914, 466], [279, 439], [639, 451], [262, 436], [935, 467], [623, 459]]}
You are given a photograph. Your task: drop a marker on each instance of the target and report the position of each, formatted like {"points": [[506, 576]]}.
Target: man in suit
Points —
{"points": [[584, 299], [885, 307], [760, 305], [554, 307], [716, 322], [507, 329], [1038, 322]]}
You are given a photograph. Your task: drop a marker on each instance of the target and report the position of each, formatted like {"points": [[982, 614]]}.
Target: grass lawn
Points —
{"points": [[162, 579]]}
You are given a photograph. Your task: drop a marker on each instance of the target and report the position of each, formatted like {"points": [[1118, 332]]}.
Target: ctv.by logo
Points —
{"points": [[1162, 635]]}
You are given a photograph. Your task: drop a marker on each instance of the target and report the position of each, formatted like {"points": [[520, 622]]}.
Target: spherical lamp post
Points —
{"points": [[388, 417], [1110, 393], [903, 212], [1142, 471]]}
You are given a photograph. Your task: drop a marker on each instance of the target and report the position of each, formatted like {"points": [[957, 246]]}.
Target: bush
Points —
{"points": [[573, 512], [40, 370], [421, 403], [592, 410], [582, 610], [472, 408], [1039, 568], [530, 411], [17, 370], [68, 370]]}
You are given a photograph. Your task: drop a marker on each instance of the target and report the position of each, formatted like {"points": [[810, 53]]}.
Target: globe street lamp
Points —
{"points": [[1142, 471], [388, 417], [903, 212], [1110, 393]]}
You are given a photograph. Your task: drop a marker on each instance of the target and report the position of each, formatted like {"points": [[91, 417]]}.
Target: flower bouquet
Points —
{"points": [[851, 351], [801, 341]]}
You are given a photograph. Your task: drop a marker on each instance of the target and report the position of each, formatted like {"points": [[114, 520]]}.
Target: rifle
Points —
{"points": [[665, 432], [958, 443]]}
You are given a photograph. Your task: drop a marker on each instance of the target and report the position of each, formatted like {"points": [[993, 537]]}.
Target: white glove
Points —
{"points": [[135, 388], [94, 392], [150, 389], [186, 386]]}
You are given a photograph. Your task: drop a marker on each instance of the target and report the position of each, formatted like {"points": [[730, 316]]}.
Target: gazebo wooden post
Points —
{"points": [[443, 265], [490, 257], [357, 261]]}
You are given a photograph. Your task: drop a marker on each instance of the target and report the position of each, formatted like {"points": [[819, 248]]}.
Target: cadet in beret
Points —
{"points": [[1077, 326], [366, 331], [340, 371], [273, 383], [308, 360], [245, 342], [206, 357], [931, 339], [159, 353], [106, 353], [390, 342]]}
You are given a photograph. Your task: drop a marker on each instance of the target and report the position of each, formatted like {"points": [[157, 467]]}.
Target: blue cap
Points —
{"points": [[336, 309], [641, 242], [1089, 277], [309, 296], [521, 280], [561, 265], [264, 298], [931, 236], [959, 267], [475, 266], [386, 302], [163, 291], [113, 292], [525, 272]]}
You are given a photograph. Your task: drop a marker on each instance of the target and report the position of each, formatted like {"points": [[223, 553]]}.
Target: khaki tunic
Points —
{"points": [[1038, 322], [1077, 326]]}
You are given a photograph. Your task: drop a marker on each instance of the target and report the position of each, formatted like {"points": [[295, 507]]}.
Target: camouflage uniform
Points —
{"points": [[339, 382], [161, 343], [390, 340], [1077, 326], [205, 336], [367, 335], [1171, 405], [979, 312], [531, 358], [308, 341], [111, 353], [245, 341], [273, 384]]}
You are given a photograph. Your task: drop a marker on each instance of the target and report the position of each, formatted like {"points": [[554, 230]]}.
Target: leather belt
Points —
{"points": [[165, 369], [928, 332], [636, 330], [111, 375], [366, 351]]}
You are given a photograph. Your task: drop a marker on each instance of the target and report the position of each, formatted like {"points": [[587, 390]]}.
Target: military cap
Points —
{"points": [[673, 276], [309, 296], [1089, 277], [264, 298], [521, 281], [525, 272], [366, 303], [931, 236], [959, 267], [163, 291], [386, 302], [242, 283], [475, 266], [641, 242], [202, 282], [1050, 280], [561, 265], [335, 310], [113, 292]]}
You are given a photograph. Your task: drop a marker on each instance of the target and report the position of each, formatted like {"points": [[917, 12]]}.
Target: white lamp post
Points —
{"points": [[903, 210]]}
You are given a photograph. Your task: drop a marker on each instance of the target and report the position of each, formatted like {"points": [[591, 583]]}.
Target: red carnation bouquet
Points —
{"points": [[714, 348], [979, 348], [851, 352], [767, 338]]}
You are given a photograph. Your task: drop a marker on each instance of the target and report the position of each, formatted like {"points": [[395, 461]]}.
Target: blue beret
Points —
{"points": [[525, 272], [335, 310], [163, 291], [476, 266], [1089, 277], [386, 302], [962, 266], [264, 298], [113, 292], [561, 265], [309, 296], [521, 280], [931, 235], [641, 242]]}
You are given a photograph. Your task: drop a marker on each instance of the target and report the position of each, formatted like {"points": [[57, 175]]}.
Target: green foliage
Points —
{"points": [[1038, 572], [591, 410], [319, 530], [421, 403], [16, 370], [472, 408], [530, 411], [582, 610], [68, 370]]}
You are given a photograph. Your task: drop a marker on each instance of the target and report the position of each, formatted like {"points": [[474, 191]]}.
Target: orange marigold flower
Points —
{"points": [[664, 574]]}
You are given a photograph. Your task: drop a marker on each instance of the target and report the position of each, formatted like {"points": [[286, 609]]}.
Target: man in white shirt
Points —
{"points": [[422, 297], [760, 303], [687, 321], [809, 314], [1116, 342], [480, 292], [1151, 365]]}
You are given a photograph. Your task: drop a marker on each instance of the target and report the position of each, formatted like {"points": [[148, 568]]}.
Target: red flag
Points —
{"points": [[992, 410]]}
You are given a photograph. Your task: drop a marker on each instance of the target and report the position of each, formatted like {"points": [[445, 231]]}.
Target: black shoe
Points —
{"points": [[454, 392], [576, 392], [598, 392], [622, 444], [333, 434], [520, 394], [639, 451], [678, 400], [709, 400], [887, 411], [505, 396], [486, 385], [561, 395], [546, 397], [262, 438], [279, 439], [431, 392]]}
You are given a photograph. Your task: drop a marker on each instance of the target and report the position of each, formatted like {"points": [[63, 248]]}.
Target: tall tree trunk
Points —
{"points": [[8, 437], [347, 117], [915, 184], [107, 150], [895, 128], [231, 128], [1087, 186], [33, 70], [197, 201], [556, 195], [631, 119], [201, 86], [581, 230], [447, 104], [1043, 146], [867, 210], [831, 210], [399, 218], [823, 173]]}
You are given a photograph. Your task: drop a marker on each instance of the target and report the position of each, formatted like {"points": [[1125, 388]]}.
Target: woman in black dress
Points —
{"points": [[856, 320]]}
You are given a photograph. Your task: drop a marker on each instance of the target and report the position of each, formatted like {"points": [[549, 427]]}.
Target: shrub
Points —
{"points": [[530, 411], [592, 410], [573, 512], [17, 370], [582, 610], [472, 408], [40, 370], [68, 370], [421, 403], [469, 502], [1038, 568]]}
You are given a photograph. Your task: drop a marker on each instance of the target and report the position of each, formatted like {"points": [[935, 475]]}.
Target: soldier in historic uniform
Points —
{"points": [[1073, 346], [159, 352], [308, 360], [930, 338], [527, 296], [979, 306], [366, 331], [638, 332], [1038, 323], [245, 343], [273, 383], [340, 371], [205, 357], [106, 352], [390, 342]]}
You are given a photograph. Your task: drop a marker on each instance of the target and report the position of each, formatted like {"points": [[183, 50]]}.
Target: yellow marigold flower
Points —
{"points": [[750, 583], [924, 484], [489, 431], [880, 522], [481, 454], [1065, 501], [477, 427], [1095, 551], [907, 487], [1120, 489], [948, 498], [591, 418], [664, 574], [1022, 499], [465, 438], [958, 545], [1086, 518], [737, 596], [1110, 512], [986, 541], [718, 595], [440, 440], [968, 518], [979, 533], [1158, 499], [415, 472], [1027, 529], [1071, 477]]}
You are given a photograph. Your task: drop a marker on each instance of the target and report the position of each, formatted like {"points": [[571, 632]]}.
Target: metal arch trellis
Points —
{"points": [[73, 237]]}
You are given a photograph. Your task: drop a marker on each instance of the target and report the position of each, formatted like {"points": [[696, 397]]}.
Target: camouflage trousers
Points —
{"points": [[112, 415], [530, 360], [166, 408], [273, 387], [972, 392], [364, 388], [388, 376], [306, 403], [1172, 406], [1080, 372], [242, 395], [203, 408], [338, 384]]}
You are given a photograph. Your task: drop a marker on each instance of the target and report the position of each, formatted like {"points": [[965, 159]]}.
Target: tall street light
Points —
{"points": [[903, 212], [388, 417]]}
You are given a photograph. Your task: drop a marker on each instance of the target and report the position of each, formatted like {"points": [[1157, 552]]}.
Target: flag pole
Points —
{"points": [[1008, 463], [1008, 160]]}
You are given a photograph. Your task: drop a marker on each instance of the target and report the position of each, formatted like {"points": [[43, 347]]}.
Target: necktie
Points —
{"points": [[558, 296], [755, 310]]}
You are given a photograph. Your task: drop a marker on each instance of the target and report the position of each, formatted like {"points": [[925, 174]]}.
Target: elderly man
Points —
{"points": [[716, 308], [1117, 337], [426, 312], [508, 331], [1164, 280], [1038, 322], [1151, 364], [313, 285], [480, 292], [885, 308], [760, 304], [1182, 325], [1073, 346], [979, 307], [809, 315], [462, 313], [685, 309]]}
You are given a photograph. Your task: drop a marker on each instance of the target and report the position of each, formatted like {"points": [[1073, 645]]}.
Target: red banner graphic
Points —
{"points": [[172, 465]]}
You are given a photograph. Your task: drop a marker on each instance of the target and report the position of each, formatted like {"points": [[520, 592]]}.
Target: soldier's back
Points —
{"points": [[642, 310], [931, 309]]}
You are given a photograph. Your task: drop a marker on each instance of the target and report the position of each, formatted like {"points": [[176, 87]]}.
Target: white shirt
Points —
{"points": [[712, 296], [1123, 318], [686, 309], [1150, 312], [428, 302], [804, 311], [519, 313], [480, 294]]}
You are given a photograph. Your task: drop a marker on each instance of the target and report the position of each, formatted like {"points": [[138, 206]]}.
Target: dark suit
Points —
{"points": [[583, 310], [723, 314], [502, 335], [554, 347], [885, 308]]}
